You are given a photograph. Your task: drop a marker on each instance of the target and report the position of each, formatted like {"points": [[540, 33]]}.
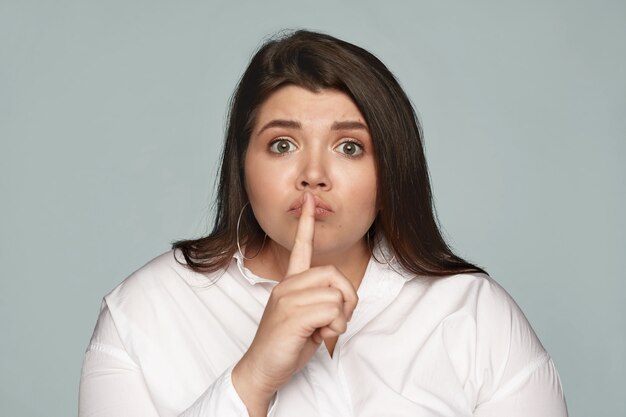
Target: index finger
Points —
{"points": [[302, 251]]}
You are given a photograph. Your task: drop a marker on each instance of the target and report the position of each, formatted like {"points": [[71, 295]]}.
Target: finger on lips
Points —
{"points": [[336, 290], [302, 251]]}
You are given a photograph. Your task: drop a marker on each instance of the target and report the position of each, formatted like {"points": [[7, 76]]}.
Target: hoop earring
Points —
{"points": [[238, 244], [387, 261]]}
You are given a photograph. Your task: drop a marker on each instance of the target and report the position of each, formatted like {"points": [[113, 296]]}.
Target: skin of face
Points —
{"points": [[316, 142]]}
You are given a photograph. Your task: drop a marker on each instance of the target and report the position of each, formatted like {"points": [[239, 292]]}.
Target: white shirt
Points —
{"points": [[167, 338]]}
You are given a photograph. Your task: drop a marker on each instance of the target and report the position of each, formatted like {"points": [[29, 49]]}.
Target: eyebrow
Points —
{"points": [[292, 124], [349, 125], [289, 124]]}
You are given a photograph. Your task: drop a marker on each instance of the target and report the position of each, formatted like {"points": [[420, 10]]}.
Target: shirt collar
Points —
{"points": [[384, 266], [247, 274]]}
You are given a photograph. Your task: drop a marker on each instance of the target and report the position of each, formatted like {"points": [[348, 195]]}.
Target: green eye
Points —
{"points": [[350, 148], [281, 146]]}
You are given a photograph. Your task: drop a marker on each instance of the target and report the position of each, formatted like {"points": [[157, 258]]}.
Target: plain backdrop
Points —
{"points": [[111, 122]]}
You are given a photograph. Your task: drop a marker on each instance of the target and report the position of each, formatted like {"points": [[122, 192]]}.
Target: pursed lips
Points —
{"points": [[321, 207]]}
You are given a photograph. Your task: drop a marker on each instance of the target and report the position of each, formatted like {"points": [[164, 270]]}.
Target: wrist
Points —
{"points": [[255, 393]]}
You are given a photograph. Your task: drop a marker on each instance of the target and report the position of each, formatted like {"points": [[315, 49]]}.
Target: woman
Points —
{"points": [[325, 287]]}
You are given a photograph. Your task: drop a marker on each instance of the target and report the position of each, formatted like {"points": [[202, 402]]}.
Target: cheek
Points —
{"points": [[361, 192], [264, 186], [255, 178], [370, 199], [366, 185]]}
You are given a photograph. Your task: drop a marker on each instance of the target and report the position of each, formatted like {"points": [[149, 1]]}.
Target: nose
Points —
{"points": [[313, 173]]}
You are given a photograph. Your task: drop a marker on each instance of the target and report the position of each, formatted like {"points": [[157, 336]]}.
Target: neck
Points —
{"points": [[272, 261]]}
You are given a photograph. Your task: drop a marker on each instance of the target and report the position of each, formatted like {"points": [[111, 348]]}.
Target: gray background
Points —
{"points": [[111, 120]]}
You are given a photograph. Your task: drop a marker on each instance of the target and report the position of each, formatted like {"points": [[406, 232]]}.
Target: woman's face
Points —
{"points": [[317, 142]]}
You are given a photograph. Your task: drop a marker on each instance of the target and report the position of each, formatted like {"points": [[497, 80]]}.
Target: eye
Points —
{"points": [[282, 146], [350, 148]]}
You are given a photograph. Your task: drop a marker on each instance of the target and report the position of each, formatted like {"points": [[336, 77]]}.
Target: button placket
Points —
{"points": [[323, 374]]}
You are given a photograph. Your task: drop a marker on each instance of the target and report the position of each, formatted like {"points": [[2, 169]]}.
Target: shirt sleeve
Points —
{"points": [[535, 392], [112, 384], [519, 379]]}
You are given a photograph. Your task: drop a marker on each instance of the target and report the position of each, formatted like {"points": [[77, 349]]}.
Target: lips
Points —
{"points": [[321, 207]]}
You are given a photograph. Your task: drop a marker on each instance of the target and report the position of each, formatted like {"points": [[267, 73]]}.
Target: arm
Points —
{"points": [[308, 305], [113, 385]]}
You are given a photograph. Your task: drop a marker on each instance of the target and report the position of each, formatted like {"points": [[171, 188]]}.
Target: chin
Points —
{"points": [[332, 247]]}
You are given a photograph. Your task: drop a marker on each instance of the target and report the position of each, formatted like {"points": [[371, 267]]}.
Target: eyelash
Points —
{"points": [[273, 143], [358, 144]]}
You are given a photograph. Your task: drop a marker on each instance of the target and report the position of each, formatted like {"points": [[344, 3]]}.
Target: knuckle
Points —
{"points": [[330, 270], [336, 310], [353, 300], [302, 240], [342, 326], [338, 296]]}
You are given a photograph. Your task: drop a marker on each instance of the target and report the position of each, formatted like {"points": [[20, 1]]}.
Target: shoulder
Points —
{"points": [[491, 304], [505, 346], [155, 283], [481, 297], [150, 277], [499, 328], [479, 318], [156, 301], [473, 291]]}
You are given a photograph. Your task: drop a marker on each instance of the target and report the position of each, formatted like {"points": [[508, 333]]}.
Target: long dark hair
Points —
{"points": [[317, 61]]}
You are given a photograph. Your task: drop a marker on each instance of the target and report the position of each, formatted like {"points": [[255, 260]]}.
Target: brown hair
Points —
{"points": [[317, 61]]}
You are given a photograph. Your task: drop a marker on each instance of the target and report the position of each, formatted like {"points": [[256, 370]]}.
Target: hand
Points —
{"points": [[308, 305]]}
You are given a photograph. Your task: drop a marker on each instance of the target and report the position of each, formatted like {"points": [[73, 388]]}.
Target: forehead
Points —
{"points": [[306, 106]]}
